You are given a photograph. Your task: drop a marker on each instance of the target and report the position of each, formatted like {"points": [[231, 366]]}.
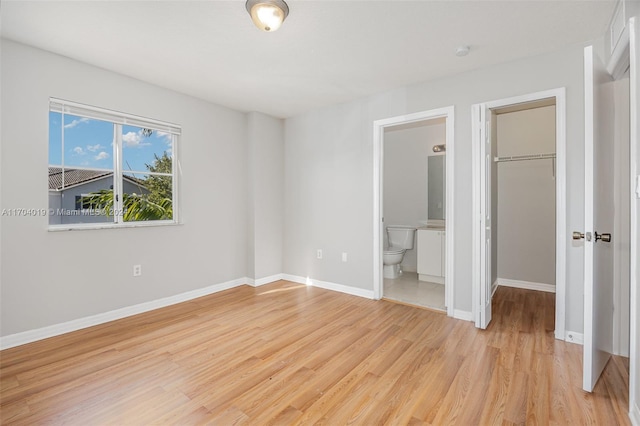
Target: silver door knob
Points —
{"points": [[604, 237], [580, 235]]}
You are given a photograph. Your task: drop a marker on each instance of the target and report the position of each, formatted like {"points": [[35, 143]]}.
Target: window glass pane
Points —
{"points": [[143, 148], [147, 197], [80, 169], [88, 143]]}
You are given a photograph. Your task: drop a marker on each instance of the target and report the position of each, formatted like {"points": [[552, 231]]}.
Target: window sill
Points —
{"points": [[93, 226]]}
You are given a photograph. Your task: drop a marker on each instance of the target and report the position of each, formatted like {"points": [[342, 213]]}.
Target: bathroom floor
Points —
{"points": [[407, 289]]}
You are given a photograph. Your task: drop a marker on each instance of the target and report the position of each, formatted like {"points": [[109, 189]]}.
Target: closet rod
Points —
{"points": [[524, 157]]}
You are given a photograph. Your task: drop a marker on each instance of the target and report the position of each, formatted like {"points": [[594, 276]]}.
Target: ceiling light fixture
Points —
{"points": [[268, 15]]}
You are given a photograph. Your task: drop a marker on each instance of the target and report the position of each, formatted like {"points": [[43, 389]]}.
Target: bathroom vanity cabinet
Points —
{"points": [[431, 255]]}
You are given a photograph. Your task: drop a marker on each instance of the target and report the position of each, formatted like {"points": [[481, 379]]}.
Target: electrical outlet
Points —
{"points": [[319, 254], [344, 257], [137, 270]]}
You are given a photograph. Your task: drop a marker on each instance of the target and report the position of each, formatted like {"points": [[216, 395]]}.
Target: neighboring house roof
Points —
{"points": [[75, 177]]}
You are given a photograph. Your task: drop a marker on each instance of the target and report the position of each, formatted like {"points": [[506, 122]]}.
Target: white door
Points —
{"points": [[485, 214], [634, 35], [598, 219]]}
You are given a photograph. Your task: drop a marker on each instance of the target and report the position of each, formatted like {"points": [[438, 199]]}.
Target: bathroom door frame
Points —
{"points": [[379, 127], [480, 116]]}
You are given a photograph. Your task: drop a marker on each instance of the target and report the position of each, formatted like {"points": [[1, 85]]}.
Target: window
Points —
{"points": [[109, 169], [83, 202]]}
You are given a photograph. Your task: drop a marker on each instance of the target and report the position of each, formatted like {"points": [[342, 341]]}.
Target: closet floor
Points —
{"points": [[408, 289]]}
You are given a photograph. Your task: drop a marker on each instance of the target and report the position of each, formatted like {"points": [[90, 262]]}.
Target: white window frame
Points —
{"points": [[118, 119]]}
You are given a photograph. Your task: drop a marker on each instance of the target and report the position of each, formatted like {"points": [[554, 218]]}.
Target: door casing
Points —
{"points": [[378, 179]]}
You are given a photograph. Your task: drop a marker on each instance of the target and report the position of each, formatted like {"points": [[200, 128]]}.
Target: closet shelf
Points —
{"points": [[524, 157]]}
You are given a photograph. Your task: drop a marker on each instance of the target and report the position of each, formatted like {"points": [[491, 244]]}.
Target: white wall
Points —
{"points": [[328, 195], [406, 151], [265, 138], [526, 197], [51, 277], [329, 170]]}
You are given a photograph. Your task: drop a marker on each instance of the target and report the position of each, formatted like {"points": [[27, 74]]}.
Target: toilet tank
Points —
{"points": [[401, 236]]}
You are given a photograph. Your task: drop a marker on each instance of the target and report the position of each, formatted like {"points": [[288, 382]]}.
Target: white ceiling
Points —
{"points": [[325, 53]]}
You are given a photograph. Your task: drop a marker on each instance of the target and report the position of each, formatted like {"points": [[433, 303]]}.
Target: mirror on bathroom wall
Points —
{"points": [[436, 187]]}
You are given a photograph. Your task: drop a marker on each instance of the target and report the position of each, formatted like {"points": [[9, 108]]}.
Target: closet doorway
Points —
{"points": [[519, 191], [523, 193]]}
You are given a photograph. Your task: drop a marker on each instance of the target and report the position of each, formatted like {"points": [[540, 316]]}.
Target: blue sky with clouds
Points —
{"points": [[88, 143]]}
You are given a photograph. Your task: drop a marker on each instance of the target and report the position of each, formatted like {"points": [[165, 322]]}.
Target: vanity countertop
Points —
{"points": [[432, 228]]}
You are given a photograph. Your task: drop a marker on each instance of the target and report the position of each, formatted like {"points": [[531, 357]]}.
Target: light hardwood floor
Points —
{"points": [[290, 354]]}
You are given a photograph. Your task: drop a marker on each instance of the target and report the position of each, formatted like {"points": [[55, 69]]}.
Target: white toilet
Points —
{"points": [[400, 239]]}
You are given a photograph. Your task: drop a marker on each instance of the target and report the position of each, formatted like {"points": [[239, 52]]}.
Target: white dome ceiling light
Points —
{"points": [[268, 15]]}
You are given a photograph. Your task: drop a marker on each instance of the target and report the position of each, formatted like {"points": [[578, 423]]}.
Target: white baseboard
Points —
{"points": [[368, 294], [527, 285], [430, 278], [463, 315], [573, 337], [25, 337], [559, 334], [295, 279], [262, 281], [634, 415]]}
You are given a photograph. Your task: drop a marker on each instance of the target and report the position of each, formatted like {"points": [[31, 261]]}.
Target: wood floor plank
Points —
{"points": [[436, 386], [388, 349], [287, 353], [538, 406]]}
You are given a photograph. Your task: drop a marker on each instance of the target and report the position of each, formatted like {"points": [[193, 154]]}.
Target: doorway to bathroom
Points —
{"points": [[413, 209]]}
